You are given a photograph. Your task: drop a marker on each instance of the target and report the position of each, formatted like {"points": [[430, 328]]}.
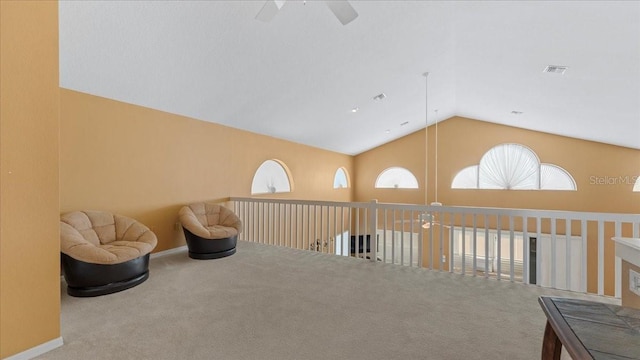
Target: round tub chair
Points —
{"points": [[103, 253], [211, 230]]}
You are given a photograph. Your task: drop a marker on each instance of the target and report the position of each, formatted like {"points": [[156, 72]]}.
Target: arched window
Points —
{"points": [[467, 178], [553, 177], [509, 166], [341, 179], [272, 176], [396, 178], [513, 167]]}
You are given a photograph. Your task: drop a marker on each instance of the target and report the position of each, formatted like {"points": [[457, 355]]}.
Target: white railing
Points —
{"points": [[558, 249]]}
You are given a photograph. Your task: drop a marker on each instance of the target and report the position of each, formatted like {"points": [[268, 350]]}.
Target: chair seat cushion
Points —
{"points": [[112, 253], [221, 232], [104, 238]]}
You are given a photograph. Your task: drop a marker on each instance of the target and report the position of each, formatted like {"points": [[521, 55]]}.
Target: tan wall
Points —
{"points": [[146, 163], [462, 142], [29, 202], [407, 152], [583, 159]]}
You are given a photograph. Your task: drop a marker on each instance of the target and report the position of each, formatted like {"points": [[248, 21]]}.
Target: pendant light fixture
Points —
{"points": [[429, 219]]}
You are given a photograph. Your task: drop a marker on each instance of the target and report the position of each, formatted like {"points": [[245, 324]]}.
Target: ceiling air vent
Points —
{"points": [[379, 97], [555, 69]]}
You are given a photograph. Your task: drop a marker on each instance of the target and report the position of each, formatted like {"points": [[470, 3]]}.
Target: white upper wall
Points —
{"points": [[298, 76]]}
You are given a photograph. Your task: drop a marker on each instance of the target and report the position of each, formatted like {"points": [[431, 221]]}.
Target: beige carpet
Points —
{"points": [[268, 302]]}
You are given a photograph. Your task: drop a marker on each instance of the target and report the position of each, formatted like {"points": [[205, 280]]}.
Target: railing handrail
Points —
{"points": [[551, 214]]}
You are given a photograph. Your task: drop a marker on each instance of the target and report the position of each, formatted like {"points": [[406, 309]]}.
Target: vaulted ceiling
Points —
{"points": [[299, 76]]}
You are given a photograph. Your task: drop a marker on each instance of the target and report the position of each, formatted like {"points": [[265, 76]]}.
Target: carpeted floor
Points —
{"points": [[268, 302]]}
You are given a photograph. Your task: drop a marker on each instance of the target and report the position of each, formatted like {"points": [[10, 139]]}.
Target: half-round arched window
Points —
{"points": [[553, 177], [272, 176], [636, 186], [513, 166], [467, 178], [509, 166], [396, 178], [341, 179]]}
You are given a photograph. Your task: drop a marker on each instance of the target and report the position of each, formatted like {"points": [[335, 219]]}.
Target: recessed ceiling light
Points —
{"points": [[355, 109], [516, 112], [387, 131], [379, 97], [404, 123], [556, 69]]}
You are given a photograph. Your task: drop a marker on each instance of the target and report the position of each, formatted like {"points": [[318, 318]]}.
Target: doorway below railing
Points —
{"points": [[557, 249]]}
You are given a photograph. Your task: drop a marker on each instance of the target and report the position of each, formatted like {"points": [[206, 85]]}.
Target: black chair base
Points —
{"points": [[87, 280], [107, 289], [212, 255], [204, 249]]}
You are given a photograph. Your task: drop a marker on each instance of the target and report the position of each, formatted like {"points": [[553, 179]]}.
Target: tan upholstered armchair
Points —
{"points": [[103, 253], [211, 230]]}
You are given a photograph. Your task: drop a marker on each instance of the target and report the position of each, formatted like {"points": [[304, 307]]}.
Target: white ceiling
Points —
{"points": [[298, 76]]}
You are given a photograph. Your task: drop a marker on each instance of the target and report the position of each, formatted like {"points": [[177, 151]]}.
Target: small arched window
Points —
{"points": [[553, 177], [396, 178], [272, 176], [341, 179], [467, 178]]}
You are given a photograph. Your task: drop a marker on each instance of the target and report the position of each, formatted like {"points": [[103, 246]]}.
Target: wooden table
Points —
{"points": [[589, 330]]}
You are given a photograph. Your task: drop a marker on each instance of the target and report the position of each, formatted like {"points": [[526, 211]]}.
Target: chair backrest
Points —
{"points": [[212, 214], [100, 227]]}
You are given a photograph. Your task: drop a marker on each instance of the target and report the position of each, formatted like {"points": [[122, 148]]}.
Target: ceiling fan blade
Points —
{"points": [[269, 10], [342, 10]]}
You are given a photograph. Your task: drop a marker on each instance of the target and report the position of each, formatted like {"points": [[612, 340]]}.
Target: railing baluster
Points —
{"points": [[441, 238], [600, 257], [451, 245], [554, 248], [474, 245], [364, 236], [420, 238], [617, 264], [357, 237], [402, 239], [411, 238], [431, 223], [321, 237], [583, 275], [525, 250], [342, 231], [373, 231], [512, 252], [393, 238], [463, 250], [499, 245], [335, 229], [487, 245], [568, 253], [538, 250], [384, 236]]}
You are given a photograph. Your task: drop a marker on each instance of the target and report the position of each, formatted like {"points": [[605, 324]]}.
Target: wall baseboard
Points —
{"points": [[37, 350], [169, 252]]}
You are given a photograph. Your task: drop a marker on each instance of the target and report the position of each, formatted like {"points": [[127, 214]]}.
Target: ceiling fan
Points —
{"points": [[341, 9], [424, 220]]}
